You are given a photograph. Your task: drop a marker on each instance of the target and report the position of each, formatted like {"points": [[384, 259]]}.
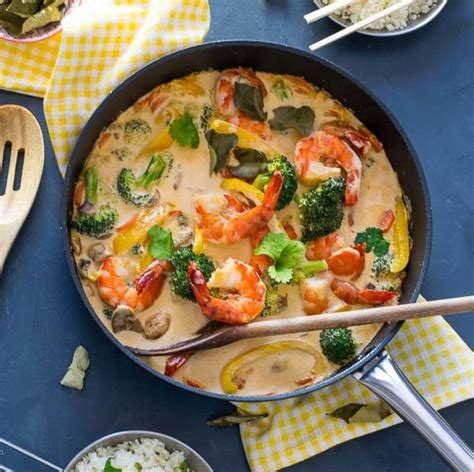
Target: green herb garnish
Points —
{"points": [[108, 467], [376, 243], [184, 131], [161, 243]]}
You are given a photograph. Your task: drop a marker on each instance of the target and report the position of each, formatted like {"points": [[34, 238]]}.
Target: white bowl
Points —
{"points": [[411, 26], [194, 460]]}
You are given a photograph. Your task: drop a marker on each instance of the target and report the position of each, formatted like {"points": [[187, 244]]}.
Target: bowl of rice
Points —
{"points": [[403, 21], [137, 451]]}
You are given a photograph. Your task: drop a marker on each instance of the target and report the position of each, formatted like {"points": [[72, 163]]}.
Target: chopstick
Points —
{"points": [[325, 11], [359, 25]]}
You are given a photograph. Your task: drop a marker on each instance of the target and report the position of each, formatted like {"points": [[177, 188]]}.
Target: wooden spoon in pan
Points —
{"points": [[218, 334]]}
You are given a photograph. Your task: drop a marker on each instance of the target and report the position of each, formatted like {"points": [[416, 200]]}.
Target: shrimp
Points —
{"points": [[352, 294], [245, 297], [341, 259], [320, 155], [315, 291], [259, 262], [224, 100], [146, 288], [323, 247], [224, 219], [361, 139]]}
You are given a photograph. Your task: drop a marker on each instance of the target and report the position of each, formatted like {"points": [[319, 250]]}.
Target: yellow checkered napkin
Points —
{"points": [[27, 67], [428, 351], [104, 42]]}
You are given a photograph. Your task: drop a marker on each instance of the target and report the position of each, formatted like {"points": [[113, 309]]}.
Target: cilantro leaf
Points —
{"points": [[109, 467], [184, 131], [373, 237], [287, 255], [161, 243], [272, 245], [184, 467]]}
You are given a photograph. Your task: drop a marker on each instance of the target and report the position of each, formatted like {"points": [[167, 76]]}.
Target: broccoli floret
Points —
{"points": [[96, 224], [205, 117], [322, 209], [181, 260], [290, 183], [274, 302], [381, 265], [136, 130], [337, 344], [129, 186]]}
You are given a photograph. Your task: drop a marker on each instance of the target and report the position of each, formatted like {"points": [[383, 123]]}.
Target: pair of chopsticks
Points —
{"points": [[337, 5]]}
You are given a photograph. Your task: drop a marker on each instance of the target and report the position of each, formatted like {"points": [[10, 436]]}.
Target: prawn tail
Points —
{"points": [[198, 285], [272, 193], [150, 277], [376, 297], [345, 291]]}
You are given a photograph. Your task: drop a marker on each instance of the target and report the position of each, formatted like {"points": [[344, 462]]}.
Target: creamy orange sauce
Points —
{"points": [[186, 175]]}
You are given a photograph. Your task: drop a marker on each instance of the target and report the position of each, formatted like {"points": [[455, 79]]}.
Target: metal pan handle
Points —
{"points": [[384, 377]]}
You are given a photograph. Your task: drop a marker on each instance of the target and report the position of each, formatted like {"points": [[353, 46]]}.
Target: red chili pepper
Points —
{"points": [[387, 220], [175, 362], [290, 231]]}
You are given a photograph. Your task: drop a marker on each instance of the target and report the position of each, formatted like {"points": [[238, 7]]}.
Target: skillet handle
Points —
{"points": [[384, 377]]}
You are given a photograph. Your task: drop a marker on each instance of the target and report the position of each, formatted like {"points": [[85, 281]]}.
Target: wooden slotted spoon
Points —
{"points": [[21, 167], [217, 334]]}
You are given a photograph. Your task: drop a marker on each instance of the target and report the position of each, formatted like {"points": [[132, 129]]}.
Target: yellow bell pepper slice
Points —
{"points": [[199, 243], [136, 232], [237, 185], [231, 369], [401, 238], [185, 86], [159, 143], [145, 261], [247, 139]]}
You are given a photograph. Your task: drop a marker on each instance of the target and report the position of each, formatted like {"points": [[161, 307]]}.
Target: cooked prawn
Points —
{"points": [[224, 99], [323, 247], [315, 291], [224, 219], [320, 156], [352, 294], [245, 292], [114, 290], [259, 262], [348, 260]]}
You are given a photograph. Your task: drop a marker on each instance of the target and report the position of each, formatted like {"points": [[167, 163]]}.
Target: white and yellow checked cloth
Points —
{"points": [[102, 43], [428, 351]]}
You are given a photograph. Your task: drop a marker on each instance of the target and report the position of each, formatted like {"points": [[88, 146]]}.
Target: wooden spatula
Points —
{"points": [[21, 167], [217, 334]]}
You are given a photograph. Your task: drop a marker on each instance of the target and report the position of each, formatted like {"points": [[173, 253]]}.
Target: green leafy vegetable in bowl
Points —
{"points": [[19, 17]]}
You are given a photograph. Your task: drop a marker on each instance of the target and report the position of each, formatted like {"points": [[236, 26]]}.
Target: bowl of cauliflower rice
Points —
{"points": [[405, 20], [137, 451]]}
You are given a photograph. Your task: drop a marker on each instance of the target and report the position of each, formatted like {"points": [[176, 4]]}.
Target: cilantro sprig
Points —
{"points": [[161, 244], [289, 264], [184, 131], [375, 242]]}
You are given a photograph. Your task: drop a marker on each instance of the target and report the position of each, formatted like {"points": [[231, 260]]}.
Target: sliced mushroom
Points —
{"points": [[154, 200], [98, 252], [84, 266], [178, 176], [157, 324], [184, 237], [76, 245], [124, 319], [87, 208]]}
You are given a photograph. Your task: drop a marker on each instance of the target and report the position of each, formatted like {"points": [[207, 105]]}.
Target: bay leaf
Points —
{"points": [[74, 376], [47, 15], [23, 9], [301, 119], [234, 419], [219, 147], [362, 413], [249, 100]]}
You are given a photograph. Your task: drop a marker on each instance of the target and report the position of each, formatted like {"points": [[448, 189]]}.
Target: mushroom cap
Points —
{"points": [[124, 319], [157, 324]]}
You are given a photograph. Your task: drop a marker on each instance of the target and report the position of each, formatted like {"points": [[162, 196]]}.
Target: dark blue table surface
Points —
{"points": [[425, 78]]}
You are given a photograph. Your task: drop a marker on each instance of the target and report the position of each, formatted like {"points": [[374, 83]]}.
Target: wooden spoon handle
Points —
{"points": [[383, 314]]}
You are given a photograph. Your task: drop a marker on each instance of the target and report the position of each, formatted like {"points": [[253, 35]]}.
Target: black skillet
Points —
{"points": [[373, 367]]}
